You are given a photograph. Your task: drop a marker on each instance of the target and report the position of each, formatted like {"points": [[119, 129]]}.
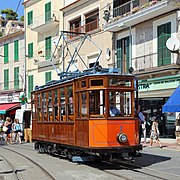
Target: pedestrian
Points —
{"points": [[141, 119], [17, 131], [144, 127], [155, 132], [8, 124]]}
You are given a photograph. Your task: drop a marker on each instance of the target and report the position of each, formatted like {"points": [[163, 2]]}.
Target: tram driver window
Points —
{"points": [[96, 102], [120, 103]]}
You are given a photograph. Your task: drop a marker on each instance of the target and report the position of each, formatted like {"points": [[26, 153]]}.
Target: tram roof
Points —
{"points": [[70, 76]]}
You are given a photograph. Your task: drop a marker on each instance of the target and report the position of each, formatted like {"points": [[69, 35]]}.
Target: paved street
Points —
{"points": [[154, 163]]}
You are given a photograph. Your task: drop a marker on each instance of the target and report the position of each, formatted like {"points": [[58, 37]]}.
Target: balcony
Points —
{"points": [[134, 13], [87, 28], [45, 22], [43, 61], [148, 65]]}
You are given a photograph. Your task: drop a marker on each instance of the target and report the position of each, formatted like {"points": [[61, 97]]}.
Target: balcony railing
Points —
{"points": [[49, 18], [149, 63], [85, 28], [129, 8]]}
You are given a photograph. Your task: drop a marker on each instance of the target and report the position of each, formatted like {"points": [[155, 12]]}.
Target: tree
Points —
{"points": [[22, 18], [10, 14]]}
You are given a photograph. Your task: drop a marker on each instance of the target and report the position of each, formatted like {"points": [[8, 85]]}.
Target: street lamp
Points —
{"points": [[122, 25]]}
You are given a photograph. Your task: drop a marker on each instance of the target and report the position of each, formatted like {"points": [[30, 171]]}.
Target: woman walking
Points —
{"points": [[155, 132], [8, 124], [17, 131]]}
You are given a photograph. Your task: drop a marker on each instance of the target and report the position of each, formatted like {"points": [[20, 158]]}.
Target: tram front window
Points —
{"points": [[120, 103], [96, 102]]}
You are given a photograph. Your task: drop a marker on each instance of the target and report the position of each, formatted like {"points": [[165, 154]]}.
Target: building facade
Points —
{"points": [[47, 24], [141, 29], [12, 63]]}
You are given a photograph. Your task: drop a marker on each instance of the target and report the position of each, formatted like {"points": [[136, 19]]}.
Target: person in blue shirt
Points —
{"points": [[114, 111]]}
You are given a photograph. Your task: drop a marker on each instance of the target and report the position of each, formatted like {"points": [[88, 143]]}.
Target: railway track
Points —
{"points": [[17, 169], [121, 170], [136, 171]]}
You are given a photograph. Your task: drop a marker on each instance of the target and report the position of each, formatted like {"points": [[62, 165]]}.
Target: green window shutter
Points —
{"points": [[30, 85], [127, 53], [6, 79], [164, 55], [30, 18], [6, 53], [119, 54], [30, 50], [47, 77], [48, 12], [16, 50], [16, 78], [48, 48]]}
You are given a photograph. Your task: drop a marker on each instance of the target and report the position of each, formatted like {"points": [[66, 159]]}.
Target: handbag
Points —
{"points": [[5, 128]]}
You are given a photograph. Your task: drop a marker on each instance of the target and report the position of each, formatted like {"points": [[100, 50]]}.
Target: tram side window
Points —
{"points": [[120, 103], [96, 102], [84, 104], [39, 108], [70, 103], [49, 107], [62, 104], [44, 107], [56, 106], [33, 102]]}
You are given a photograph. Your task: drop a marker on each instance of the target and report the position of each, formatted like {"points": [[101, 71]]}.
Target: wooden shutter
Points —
{"points": [[48, 48], [6, 79], [47, 77], [16, 78], [6, 53], [30, 50], [16, 50], [164, 55], [48, 12], [30, 17], [119, 54], [30, 85]]}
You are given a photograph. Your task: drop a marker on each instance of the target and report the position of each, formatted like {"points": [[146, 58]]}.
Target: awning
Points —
{"points": [[173, 103], [8, 107]]}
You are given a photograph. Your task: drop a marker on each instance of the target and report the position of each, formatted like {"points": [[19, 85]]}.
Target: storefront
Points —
{"points": [[8, 105], [153, 94]]}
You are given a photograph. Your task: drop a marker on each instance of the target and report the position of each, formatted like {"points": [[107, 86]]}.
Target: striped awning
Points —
{"points": [[8, 107]]}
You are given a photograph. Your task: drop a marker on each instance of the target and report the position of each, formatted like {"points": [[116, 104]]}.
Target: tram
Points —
{"points": [[92, 112]]}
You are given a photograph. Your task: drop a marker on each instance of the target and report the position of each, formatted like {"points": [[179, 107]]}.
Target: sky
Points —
{"points": [[13, 4]]}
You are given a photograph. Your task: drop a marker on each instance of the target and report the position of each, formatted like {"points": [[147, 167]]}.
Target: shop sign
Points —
{"points": [[158, 85], [12, 97]]}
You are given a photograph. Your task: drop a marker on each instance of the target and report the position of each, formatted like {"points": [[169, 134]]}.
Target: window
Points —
{"points": [[16, 50], [16, 78], [62, 104], [97, 103], [123, 6], [47, 77], [44, 107], [56, 106], [120, 103], [49, 108], [92, 21], [6, 54], [70, 104], [48, 48], [30, 50], [30, 85], [6, 79], [48, 12], [30, 18], [123, 54], [75, 26], [164, 33], [84, 104]]}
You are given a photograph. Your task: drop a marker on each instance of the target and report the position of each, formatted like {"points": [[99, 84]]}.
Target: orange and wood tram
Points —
{"points": [[87, 113]]}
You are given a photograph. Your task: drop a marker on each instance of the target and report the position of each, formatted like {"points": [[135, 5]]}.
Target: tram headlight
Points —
{"points": [[122, 138]]}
